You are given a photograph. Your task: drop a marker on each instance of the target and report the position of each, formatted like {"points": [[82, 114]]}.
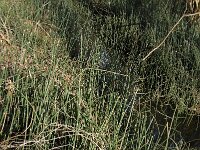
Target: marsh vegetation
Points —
{"points": [[73, 74]]}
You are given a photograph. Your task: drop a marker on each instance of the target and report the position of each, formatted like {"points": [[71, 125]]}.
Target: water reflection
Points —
{"points": [[105, 60]]}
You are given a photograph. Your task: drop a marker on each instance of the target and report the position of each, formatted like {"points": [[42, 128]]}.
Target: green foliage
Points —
{"points": [[54, 93]]}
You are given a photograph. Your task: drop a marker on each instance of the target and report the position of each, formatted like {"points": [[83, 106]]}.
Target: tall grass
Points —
{"points": [[55, 93]]}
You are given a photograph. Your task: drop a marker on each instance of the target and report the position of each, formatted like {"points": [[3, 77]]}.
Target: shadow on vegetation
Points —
{"points": [[156, 100]]}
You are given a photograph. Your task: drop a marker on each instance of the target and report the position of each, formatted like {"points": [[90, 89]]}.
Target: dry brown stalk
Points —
{"points": [[172, 29]]}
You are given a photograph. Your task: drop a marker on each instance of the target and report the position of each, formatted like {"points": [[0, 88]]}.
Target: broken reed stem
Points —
{"points": [[172, 29]]}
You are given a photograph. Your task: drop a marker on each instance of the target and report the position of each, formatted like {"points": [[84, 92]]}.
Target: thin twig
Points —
{"points": [[163, 41]]}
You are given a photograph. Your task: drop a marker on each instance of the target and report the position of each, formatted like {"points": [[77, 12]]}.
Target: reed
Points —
{"points": [[72, 75]]}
